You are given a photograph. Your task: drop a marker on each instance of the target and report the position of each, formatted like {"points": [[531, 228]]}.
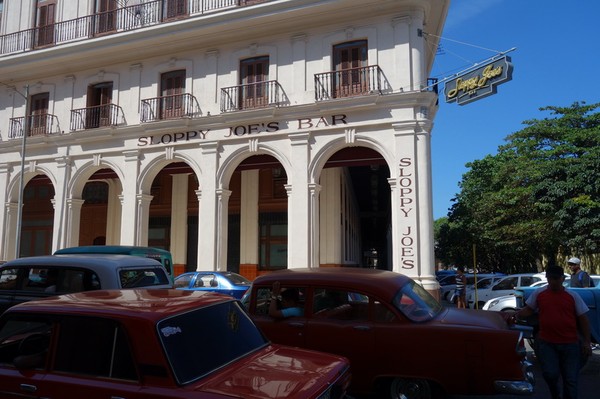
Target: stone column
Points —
{"points": [[130, 225], [60, 237], [113, 212], [207, 212], [179, 216], [222, 228], [299, 254], [4, 173], [249, 239], [143, 218], [73, 221]]}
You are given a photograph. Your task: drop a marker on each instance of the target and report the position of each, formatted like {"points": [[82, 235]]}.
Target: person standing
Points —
{"points": [[579, 278], [562, 319], [461, 287]]}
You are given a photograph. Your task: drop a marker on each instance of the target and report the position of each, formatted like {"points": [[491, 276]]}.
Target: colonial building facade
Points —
{"points": [[240, 135]]}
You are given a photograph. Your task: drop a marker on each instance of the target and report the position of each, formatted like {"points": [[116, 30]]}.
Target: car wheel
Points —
{"points": [[407, 388], [509, 310]]}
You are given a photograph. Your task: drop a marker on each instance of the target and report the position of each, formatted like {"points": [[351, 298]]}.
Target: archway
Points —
{"points": [[355, 210], [258, 217], [37, 217]]}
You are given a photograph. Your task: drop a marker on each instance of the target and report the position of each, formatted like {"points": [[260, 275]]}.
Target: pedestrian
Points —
{"points": [[284, 303], [562, 320], [461, 288], [579, 278]]}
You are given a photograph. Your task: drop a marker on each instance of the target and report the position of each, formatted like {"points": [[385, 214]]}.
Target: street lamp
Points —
{"points": [[22, 177]]}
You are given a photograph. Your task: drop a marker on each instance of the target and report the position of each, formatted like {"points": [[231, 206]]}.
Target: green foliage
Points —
{"points": [[534, 201]]}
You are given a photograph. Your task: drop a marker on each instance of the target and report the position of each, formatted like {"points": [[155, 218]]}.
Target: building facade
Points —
{"points": [[240, 135]]}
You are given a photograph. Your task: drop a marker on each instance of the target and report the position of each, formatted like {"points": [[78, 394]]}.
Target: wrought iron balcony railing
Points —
{"points": [[97, 116], [40, 124], [348, 83], [170, 107], [255, 95], [146, 13]]}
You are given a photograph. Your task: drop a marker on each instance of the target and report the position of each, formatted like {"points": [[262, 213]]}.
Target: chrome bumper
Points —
{"points": [[525, 387]]}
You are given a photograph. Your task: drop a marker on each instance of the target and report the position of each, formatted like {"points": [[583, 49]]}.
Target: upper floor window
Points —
{"points": [[106, 13], [349, 62], [45, 19], [40, 119], [254, 73], [175, 8], [99, 98], [172, 87]]}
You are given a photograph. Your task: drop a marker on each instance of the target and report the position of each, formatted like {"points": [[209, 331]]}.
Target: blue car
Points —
{"points": [[224, 282]]}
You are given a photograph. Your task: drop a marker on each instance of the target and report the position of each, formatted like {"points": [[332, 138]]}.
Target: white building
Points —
{"points": [[241, 135]]}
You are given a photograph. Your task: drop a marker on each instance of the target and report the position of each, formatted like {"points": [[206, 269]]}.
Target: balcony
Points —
{"points": [[38, 125], [255, 95], [348, 83], [169, 107], [111, 22], [97, 116]]}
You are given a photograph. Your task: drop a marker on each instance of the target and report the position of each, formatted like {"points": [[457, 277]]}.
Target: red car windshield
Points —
{"points": [[416, 303]]}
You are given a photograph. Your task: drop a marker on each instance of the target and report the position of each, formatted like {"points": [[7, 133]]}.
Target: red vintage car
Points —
{"points": [[155, 344], [399, 339]]}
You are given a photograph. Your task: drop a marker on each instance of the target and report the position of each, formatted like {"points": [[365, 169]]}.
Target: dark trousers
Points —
{"points": [[560, 360]]}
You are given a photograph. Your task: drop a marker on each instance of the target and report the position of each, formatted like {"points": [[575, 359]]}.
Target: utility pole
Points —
{"points": [[25, 132], [22, 177]]}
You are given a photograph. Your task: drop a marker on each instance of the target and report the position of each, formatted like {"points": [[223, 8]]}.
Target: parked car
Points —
{"points": [[224, 282], [160, 255], [154, 344], [390, 328], [37, 277], [509, 302], [503, 286], [483, 280]]}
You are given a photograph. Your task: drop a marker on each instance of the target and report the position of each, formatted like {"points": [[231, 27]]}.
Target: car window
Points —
{"points": [[49, 280], [484, 283], [508, 283], [416, 303], [340, 305], [206, 280], [231, 336], [237, 279], [528, 280], [94, 346], [8, 279], [263, 298], [134, 278], [21, 338], [183, 281]]}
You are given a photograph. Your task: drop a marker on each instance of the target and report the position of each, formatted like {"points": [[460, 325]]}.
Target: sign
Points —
{"points": [[478, 83]]}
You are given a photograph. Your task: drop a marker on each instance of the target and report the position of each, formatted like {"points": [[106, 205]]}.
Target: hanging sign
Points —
{"points": [[478, 83]]}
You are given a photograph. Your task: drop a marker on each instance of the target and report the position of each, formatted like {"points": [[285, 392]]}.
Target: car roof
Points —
{"points": [[110, 249], [384, 283], [94, 260], [148, 304]]}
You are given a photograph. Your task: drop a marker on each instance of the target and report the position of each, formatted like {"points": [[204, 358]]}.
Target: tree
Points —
{"points": [[537, 199]]}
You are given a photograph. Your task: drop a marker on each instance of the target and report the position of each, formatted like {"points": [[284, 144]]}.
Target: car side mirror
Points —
{"points": [[27, 362]]}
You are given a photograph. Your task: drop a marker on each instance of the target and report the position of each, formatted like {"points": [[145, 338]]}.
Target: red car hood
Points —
{"points": [[471, 317], [277, 372]]}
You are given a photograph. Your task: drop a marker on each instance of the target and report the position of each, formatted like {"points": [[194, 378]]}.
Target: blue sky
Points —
{"points": [[556, 62]]}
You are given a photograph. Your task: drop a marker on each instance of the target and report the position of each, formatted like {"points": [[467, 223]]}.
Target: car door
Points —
{"points": [[503, 287], [286, 331], [340, 323], [23, 341], [93, 360]]}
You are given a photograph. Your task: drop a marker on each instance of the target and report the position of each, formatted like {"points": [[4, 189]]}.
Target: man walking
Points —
{"points": [[562, 317], [579, 278]]}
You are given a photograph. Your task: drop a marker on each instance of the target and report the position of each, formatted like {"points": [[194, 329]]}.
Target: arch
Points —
{"points": [[150, 171], [13, 185], [321, 157], [237, 157], [83, 174]]}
